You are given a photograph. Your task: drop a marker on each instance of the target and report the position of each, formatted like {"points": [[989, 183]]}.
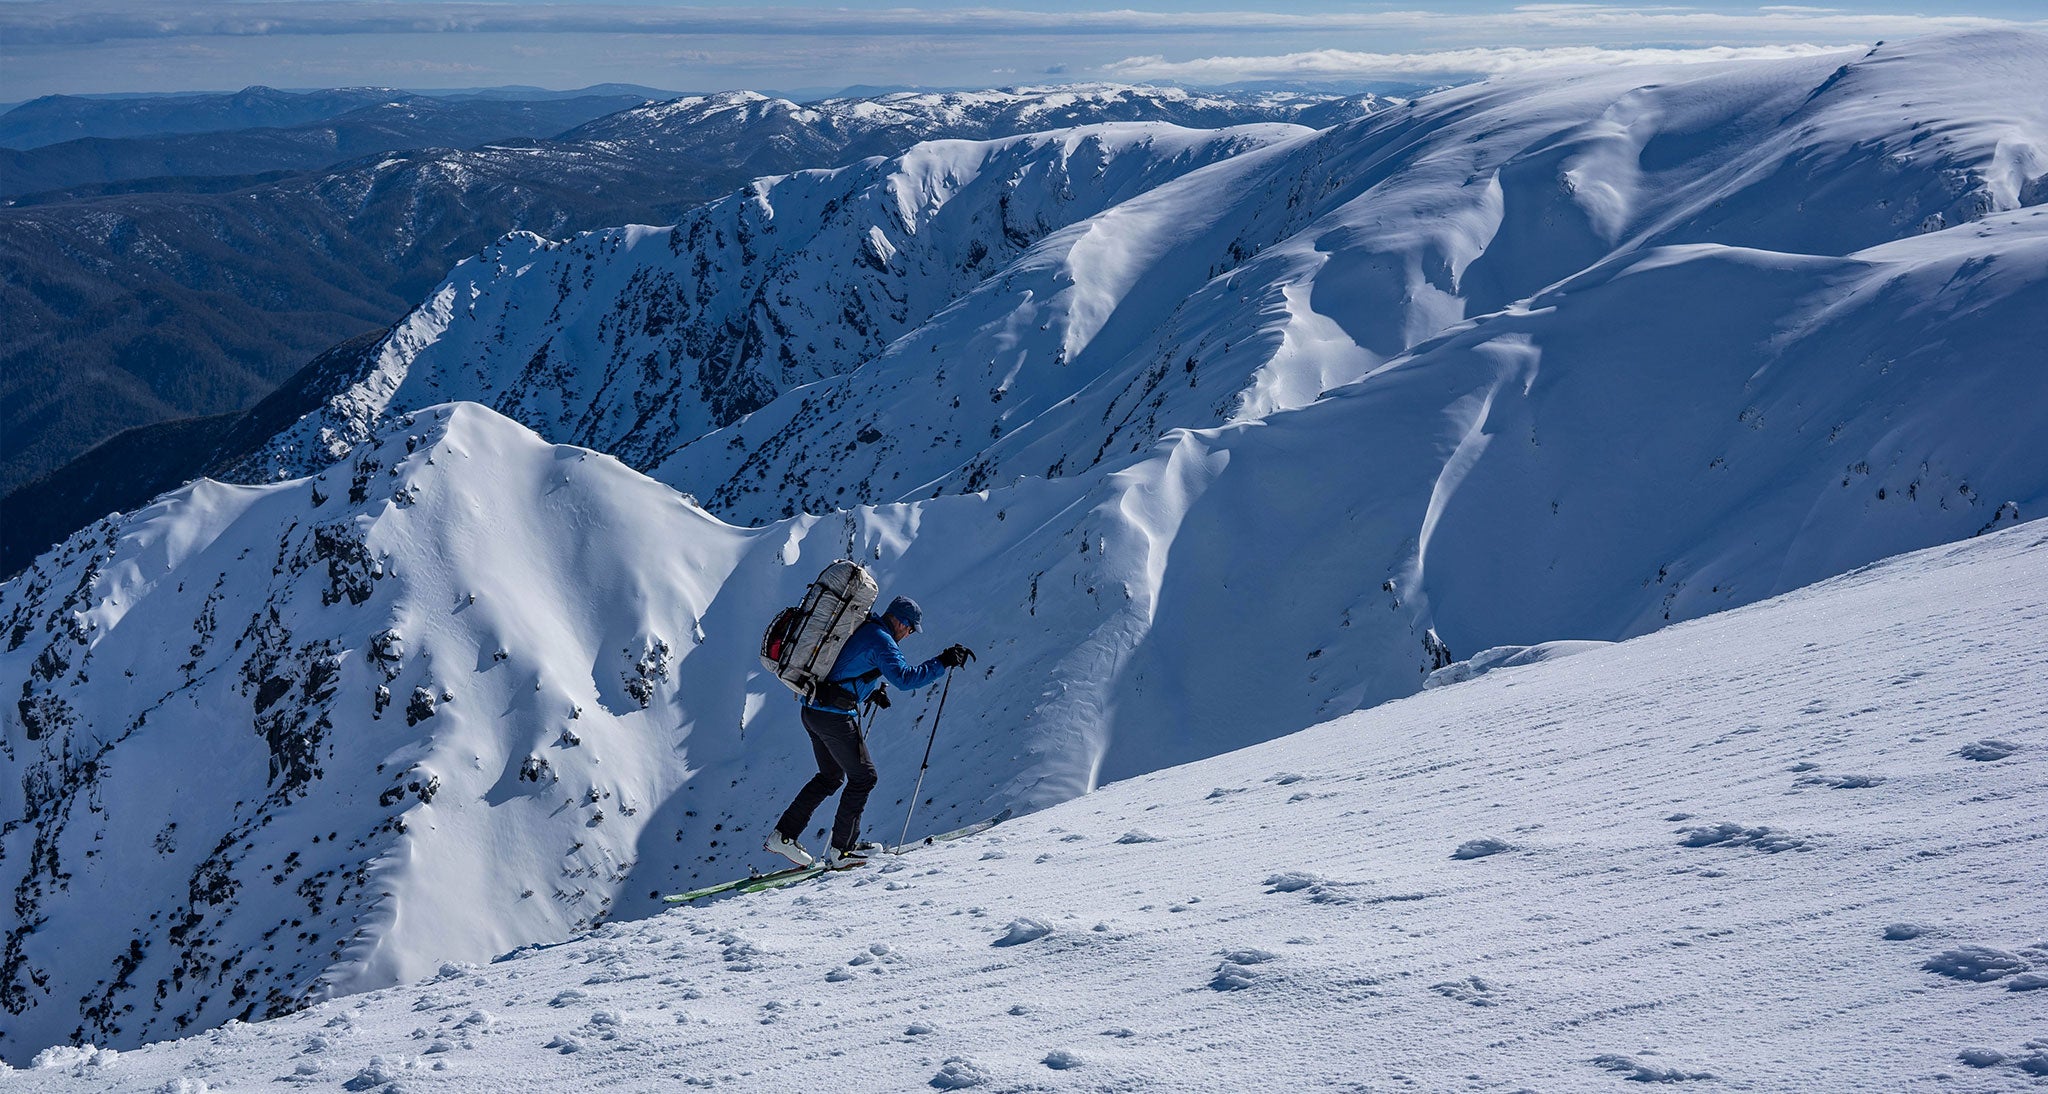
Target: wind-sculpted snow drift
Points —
{"points": [[1265, 430]]}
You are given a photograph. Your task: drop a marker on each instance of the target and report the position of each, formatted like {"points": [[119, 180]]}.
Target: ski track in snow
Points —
{"points": [[1293, 915]]}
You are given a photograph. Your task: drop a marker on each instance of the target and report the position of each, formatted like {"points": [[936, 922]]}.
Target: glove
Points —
{"points": [[879, 697], [955, 655]]}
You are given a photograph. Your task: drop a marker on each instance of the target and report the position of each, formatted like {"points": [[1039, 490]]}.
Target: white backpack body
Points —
{"points": [[804, 642]]}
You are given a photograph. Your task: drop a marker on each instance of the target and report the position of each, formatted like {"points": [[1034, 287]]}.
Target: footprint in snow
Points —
{"points": [[1729, 834], [1976, 964], [376, 1073], [739, 954], [1481, 847], [1841, 782], [1060, 1059], [1471, 990], [1318, 889], [1021, 930], [1139, 835], [1292, 881], [1238, 971], [1643, 1071], [1905, 932], [876, 956], [1987, 750], [604, 1025], [959, 1073], [2033, 1062]]}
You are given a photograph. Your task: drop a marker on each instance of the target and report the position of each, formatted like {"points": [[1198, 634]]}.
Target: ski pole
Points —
{"points": [[921, 768]]}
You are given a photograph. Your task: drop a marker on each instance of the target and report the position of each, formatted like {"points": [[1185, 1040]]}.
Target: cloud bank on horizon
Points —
{"points": [[1338, 64], [69, 46]]}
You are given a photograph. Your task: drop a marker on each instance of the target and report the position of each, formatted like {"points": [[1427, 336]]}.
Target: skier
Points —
{"points": [[870, 657]]}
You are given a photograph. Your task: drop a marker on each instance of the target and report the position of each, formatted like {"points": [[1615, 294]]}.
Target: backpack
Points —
{"points": [[804, 641]]}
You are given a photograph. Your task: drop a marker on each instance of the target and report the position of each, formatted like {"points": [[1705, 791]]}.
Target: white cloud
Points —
{"points": [[1482, 61], [109, 45]]}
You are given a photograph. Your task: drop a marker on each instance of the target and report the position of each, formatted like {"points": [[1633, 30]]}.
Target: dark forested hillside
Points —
{"points": [[399, 122]]}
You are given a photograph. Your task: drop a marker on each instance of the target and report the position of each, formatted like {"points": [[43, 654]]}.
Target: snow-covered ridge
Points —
{"points": [[869, 124], [1257, 285], [1661, 861], [462, 692], [636, 340], [1268, 281]]}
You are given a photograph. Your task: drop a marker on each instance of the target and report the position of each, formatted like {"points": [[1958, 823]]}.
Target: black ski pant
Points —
{"points": [[842, 755]]}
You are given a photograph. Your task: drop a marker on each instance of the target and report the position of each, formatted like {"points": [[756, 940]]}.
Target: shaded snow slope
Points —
{"points": [[1786, 847], [1260, 284]]}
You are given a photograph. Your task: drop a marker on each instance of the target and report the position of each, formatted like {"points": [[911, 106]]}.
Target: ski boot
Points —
{"points": [[787, 848]]}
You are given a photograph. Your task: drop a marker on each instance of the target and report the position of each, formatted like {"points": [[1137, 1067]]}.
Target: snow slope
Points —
{"points": [[465, 691], [1266, 281], [1792, 846]]}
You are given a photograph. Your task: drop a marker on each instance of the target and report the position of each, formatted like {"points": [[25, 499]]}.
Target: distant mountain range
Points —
{"points": [[393, 123], [197, 296], [56, 118]]}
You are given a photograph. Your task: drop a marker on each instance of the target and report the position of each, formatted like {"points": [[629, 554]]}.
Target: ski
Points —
{"points": [[777, 879], [729, 886], [759, 883], [975, 829], [783, 878]]}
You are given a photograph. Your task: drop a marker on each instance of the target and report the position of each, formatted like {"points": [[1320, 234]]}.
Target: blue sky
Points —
{"points": [[84, 46]]}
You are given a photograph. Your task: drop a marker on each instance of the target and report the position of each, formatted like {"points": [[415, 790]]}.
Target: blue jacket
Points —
{"points": [[872, 648]]}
